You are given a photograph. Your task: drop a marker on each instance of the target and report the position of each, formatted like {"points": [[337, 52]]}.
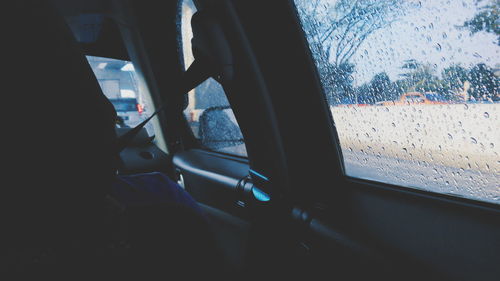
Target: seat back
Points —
{"points": [[58, 132], [59, 163]]}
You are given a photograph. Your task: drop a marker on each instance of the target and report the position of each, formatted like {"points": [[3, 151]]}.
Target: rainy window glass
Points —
{"points": [[413, 88], [208, 112], [119, 83]]}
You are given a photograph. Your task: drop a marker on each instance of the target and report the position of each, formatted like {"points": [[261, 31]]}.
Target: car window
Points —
{"points": [[413, 88], [124, 104], [118, 81], [208, 112]]}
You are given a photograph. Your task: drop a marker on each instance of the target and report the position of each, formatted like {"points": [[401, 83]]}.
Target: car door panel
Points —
{"points": [[437, 236], [348, 229], [212, 179]]}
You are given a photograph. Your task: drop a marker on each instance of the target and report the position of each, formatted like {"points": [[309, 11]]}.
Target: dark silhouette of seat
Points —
{"points": [[59, 220]]}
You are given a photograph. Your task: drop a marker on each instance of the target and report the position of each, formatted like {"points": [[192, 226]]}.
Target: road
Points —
{"points": [[467, 183]]}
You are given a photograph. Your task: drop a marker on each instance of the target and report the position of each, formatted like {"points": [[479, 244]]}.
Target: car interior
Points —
{"points": [[240, 121]]}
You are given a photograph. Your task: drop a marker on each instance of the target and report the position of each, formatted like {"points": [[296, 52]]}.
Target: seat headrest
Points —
{"points": [[61, 127]]}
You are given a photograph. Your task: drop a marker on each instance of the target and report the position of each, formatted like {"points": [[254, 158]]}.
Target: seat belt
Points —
{"points": [[213, 58], [196, 74]]}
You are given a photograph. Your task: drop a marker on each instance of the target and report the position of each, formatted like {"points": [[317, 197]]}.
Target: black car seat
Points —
{"points": [[58, 130], [58, 162]]}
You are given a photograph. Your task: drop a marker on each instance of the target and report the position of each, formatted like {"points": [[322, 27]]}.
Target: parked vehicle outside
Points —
{"points": [[128, 110], [412, 98]]}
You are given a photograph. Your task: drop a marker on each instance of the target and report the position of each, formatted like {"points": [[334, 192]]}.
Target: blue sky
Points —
{"points": [[428, 34]]}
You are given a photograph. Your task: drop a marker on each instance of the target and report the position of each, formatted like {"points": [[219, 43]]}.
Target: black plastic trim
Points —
{"points": [[375, 187], [212, 167]]}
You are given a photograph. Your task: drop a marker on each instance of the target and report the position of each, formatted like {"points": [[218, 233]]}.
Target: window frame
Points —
{"points": [[336, 197], [190, 138], [412, 193]]}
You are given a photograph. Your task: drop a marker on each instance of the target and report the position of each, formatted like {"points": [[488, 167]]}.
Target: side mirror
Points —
{"points": [[218, 128]]}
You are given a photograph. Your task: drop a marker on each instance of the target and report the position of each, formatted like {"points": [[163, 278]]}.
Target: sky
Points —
{"points": [[428, 34]]}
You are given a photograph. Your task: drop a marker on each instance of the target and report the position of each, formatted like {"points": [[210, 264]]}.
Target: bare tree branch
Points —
{"points": [[350, 23]]}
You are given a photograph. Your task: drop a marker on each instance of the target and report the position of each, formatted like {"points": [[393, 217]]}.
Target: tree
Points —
{"points": [[455, 78], [486, 20], [337, 82], [383, 89], [421, 77], [339, 29], [485, 84], [380, 88], [336, 31], [455, 75]]}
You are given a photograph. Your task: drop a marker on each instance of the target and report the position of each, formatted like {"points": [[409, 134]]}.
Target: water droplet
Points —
{"points": [[486, 115], [492, 145], [450, 136], [374, 130], [438, 47], [473, 140], [394, 124], [466, 106]]}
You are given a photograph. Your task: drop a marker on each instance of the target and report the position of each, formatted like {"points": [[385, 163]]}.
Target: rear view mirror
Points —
{"points": [[218, 128]]}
